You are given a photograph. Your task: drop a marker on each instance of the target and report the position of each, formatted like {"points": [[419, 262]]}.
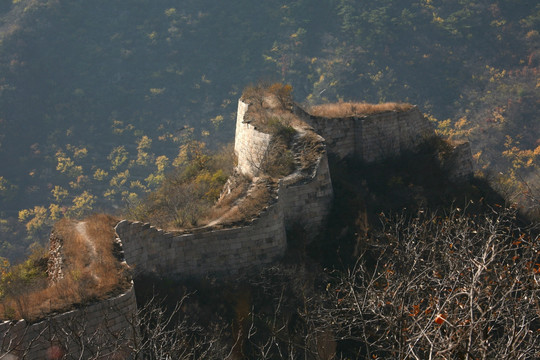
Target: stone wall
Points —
{"points": [[460, 165], [373, 137], [78, 332], [55, 265], [388, 134], [303, 199], [152, 250], [308, 202], [339, 134], [250, 145]]}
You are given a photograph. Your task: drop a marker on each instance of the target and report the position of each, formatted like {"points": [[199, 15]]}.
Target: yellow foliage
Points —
{"points": [[153, 180], [82, 204], [533, 34], [4, 267], [137, 185], [56, 212], [24, 214], [437, 19], [78, 152], [118, 156], [119, 179], [67, 166], [79, 182], [217, 121], [461, 123], [144, 143], [59, 193], [161, 163], [100, 174], [36, 218], [157, 91], [191, 151], [109, 193], [3, 184], [119, 128], [170, 11]]}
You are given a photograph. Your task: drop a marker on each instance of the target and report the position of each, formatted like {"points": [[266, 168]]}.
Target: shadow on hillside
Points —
{"points": [[413, 182]]}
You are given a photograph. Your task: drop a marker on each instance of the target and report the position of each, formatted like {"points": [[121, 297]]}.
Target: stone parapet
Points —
{"points": [[373, 137], [307, 203], [250, 145], [204, 251], [81, 333]]}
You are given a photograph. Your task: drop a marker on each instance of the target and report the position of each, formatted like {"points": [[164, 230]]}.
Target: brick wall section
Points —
{"points": [[339, 134], [55, 264], [307, 202], [374, 137], [204, 251], [460, 165], [95, 325], [304, 199], [250, 145]]}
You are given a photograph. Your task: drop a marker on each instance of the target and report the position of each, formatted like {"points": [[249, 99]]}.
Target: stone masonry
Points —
{"points": [[303, 199], [78, 332]]}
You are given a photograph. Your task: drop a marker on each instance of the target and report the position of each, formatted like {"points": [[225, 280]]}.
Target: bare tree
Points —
{"points": [[431, 286], [453, 286]]}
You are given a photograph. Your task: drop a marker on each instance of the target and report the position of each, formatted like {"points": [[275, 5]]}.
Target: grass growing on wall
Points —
{"points": [[350, 109], [186, 196], [90, 272]]}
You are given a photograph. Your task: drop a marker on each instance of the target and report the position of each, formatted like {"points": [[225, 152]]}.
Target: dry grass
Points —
{"points": [[90, 272], [349, 109], [258, 197], [238, 184], [309, 147], [268, 102]]}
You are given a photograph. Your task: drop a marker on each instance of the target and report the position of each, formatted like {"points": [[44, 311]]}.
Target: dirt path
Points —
{"points": [[92, 253], [81, 228]]}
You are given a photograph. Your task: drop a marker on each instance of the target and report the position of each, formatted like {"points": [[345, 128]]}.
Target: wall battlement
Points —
{"points": [[373, 137], [303, 199]]}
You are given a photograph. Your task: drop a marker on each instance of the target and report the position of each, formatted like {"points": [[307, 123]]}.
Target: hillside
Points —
{"points": [[374, 241], [97, 98]]}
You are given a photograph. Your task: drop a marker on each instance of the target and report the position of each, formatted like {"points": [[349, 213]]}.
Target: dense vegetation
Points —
{"points": [[106, 103], [390, 278], [384, 281], [96, 98]]}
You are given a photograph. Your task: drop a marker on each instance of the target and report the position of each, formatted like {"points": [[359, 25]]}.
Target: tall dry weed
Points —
{"points": [[349, 109]]}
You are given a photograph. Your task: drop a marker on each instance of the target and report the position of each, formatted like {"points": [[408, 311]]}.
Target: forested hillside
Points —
{"points": [[99, 99]]}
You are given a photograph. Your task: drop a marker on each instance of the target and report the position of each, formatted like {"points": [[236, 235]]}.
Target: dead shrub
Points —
{"points": [[309, 148], [266, 101], [279, 161]]}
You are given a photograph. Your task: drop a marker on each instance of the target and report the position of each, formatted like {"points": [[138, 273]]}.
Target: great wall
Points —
{"points": [[304, 196]]}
